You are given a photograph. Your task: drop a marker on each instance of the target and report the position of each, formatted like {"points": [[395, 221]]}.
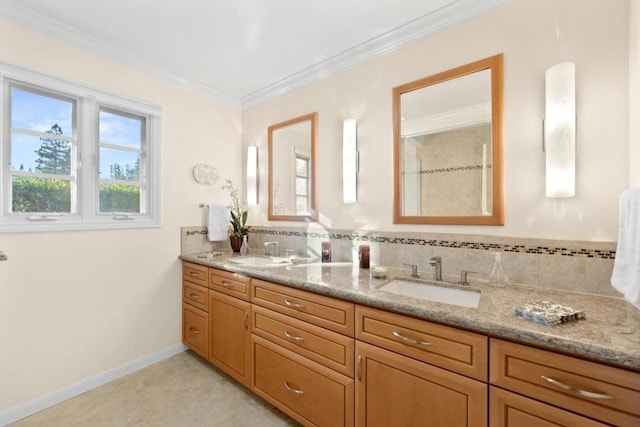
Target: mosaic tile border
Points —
{"points": [[453, 169], [524, 249]]}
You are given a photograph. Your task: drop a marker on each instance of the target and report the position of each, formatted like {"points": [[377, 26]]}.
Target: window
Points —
{"points": [[303, 183], [74, 157]]}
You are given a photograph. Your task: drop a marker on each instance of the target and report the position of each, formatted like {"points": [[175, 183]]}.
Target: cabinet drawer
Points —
{"points": [[195, 295], [194, 273], [233, 284], [318, 344], [450, 348], [195, 330], [319, 310], [307, 391], [507, 409], [598, 391]]}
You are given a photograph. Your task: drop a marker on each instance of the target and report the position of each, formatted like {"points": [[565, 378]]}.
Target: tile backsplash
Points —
{"points": [[580, 266]]}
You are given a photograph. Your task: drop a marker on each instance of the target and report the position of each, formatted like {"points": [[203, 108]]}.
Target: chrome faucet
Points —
{"points": [[463, 277], [414, 269], [268, 251], [436, 263]]}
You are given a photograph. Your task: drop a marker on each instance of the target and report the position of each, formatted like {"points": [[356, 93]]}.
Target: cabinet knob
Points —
{"points": [[410, 340], [292, 337], [574, 390], [291, 389], [293, 304]]}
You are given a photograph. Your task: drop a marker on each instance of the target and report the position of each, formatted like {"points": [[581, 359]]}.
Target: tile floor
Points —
{"points": [[182, 390]]}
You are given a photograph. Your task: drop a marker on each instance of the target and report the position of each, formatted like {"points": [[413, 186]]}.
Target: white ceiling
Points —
{"points": [[241, 52]]}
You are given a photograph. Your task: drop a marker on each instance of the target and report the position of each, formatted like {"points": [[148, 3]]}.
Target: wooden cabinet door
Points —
{"points": [[230, 336], [195, 332], [512, 410], [394, 390]]}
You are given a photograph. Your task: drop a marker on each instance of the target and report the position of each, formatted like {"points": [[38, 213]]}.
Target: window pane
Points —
{"points": [[40, 113], [301, 166], [44, 155], [301, 205], [31, 194], [118, 164], [301, 187], [120, 130], [119, 198]]}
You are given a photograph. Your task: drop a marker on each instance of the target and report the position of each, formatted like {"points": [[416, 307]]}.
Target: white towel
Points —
{"points": [[626, 268], [218, 222]]}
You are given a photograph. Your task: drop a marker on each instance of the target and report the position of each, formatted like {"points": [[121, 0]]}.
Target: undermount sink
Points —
{"points": [[434, 293], [258, 261]]}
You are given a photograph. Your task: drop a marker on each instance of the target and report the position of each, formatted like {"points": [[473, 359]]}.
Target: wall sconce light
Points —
{"points": [[560, 130], [349, 161], [252, 175]]}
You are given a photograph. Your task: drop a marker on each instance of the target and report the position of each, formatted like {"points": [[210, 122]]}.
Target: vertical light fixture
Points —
{"points": [[560, 130], [252, 175], [349, 161]]}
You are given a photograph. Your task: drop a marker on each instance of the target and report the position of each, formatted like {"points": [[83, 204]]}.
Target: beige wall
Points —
{"points": [[634, 94], [75, 304], [533, 35]]}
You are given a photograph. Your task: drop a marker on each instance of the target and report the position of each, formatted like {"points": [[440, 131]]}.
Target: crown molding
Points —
{"points": [[13, 12], [421, 27], [448, 120], [452, 14]]}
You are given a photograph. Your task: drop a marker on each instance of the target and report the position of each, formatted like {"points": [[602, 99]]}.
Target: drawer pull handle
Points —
{"points": [[194, 273], [293, 304], [293, 337], [194, 296], [574, 390], [226, 284], [194, 330], [410, 340], [359, 367], [293, 390], [246, 317]]}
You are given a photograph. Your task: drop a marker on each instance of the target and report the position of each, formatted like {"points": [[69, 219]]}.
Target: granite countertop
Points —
{"points": [[610, 333]]}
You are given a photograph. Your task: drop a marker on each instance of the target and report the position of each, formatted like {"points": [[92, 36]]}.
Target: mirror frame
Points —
{"points": [[313, 118], [495, 65]]}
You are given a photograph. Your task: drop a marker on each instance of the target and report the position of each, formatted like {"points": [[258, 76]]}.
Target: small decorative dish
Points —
{"points": [[378, 272]]}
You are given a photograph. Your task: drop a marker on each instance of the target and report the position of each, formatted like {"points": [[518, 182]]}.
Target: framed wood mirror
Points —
{"points": [[293, 193], [447, 145]]}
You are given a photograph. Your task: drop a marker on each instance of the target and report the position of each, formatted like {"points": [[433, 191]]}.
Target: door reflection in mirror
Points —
{"points": [[292, 169]]}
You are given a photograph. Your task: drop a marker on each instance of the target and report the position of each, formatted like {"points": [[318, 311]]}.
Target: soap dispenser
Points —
{"points": [[498, 276], [244, 249]]}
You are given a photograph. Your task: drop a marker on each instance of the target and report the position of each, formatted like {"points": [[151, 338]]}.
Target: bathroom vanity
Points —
{"points": [[326, 346]]}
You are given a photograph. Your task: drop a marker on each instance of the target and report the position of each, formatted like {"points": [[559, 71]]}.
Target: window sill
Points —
{"points": [[111, 224]]}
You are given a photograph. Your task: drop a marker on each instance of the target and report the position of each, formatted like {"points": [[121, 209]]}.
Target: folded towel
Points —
{"points": [[626, 268], [218, 223]]}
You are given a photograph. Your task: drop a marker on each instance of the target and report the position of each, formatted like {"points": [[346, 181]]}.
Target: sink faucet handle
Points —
{"points": [[414, 269], [463, 277], [268, 246]]}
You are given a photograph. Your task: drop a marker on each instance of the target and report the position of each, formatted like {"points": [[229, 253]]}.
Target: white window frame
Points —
{"points": [[85, 159]]}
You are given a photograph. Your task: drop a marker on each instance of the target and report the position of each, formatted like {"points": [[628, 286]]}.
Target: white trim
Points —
{"points": [[449, 120], [395, 39], [448, 16], [38, 404], [86, 215]]}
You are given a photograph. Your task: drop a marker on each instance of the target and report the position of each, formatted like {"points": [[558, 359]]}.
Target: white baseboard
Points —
{"points": [[36, 405]]}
